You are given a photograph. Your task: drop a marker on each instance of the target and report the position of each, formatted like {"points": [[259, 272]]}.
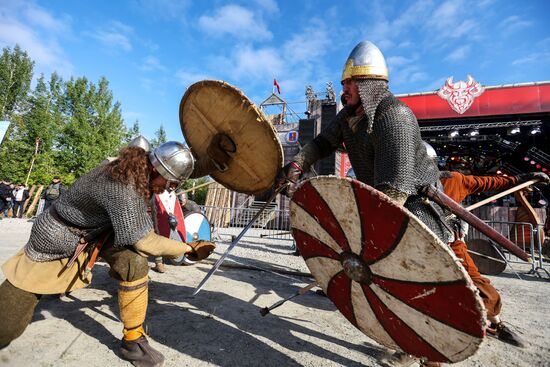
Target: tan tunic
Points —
{"points": [[47, 277]]}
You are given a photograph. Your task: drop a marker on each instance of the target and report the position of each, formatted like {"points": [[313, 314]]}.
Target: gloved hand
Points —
{"points": [[541, 176], [172, 221], [290, 173], [201, 250], [218, 150]]}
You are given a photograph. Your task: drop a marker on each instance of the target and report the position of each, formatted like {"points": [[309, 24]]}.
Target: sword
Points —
{"points": [[264, 311], [237, 239]]}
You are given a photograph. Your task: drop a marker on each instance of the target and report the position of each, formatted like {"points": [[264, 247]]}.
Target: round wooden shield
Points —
{"points": [[385, 271], [209, 107], [486, 257]]}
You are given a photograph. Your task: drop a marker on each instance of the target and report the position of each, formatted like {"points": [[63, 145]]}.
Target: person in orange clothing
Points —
{"points": [[458, 186]]}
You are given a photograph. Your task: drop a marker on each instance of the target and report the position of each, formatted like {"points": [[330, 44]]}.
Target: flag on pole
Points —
{"points": [[277, 86]]}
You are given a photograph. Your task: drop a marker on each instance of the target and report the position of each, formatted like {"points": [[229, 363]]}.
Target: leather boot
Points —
{"points": [[140, 353], [505, 334], [159, 267]]}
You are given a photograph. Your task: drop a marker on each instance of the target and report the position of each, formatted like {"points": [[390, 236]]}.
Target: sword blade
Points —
{"points": [[236, 240]]}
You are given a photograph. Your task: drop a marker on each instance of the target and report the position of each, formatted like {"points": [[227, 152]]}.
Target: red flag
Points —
{"points": [[277, 85]]}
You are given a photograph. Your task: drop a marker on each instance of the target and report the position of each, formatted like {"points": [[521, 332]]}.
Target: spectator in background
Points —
{"points": [[5, 193], [21, 194], [188, 206], [9, 198], [52, 192]]}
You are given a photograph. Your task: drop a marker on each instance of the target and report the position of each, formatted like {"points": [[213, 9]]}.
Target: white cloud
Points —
{"points": [[268, 5], [129, 115], [459, 53], [186, 77], [514, 23], [152, 63], [37, 32], [115, 36], [163, 9], [533, 58], [435, 85], [308, 44], [418, 76], [259, 63], [45, 20], [396, 61], [236, 21]]}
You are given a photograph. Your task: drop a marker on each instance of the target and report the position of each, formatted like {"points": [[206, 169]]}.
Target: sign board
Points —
{"points": [[3, 129]]}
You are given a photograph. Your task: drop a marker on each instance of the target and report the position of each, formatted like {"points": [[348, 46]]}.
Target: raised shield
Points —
{"points": [[385, 271], [209, 107]]}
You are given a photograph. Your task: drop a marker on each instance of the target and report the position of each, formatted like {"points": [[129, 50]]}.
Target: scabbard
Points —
{"points": [[439, 197]]}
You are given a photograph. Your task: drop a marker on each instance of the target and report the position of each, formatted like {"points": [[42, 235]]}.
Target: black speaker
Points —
{"points": [[306, 131], [328, 113], [326, 166]]}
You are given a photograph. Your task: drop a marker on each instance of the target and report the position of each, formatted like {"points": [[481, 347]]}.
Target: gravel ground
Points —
{"points": [[222, 326]]}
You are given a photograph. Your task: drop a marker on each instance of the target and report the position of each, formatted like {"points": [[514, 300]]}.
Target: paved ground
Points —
{"points": [[222, 325]]}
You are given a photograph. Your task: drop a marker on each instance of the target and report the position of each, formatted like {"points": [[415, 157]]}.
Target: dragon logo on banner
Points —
{"points": [[461, 94]]}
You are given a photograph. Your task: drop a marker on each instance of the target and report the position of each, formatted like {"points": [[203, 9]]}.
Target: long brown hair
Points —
{"points": [[131, 168]]}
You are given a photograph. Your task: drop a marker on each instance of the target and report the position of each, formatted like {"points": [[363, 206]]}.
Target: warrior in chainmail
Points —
{"points": [[459, 186], [382, 138], [106, 211]]}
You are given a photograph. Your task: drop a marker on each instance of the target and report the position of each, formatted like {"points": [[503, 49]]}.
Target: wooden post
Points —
{"points": [[37, 144], [35, 201], [31, 191]]}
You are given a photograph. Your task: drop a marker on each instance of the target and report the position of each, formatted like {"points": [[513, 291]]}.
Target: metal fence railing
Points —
{"points": [[272, 224], [524, 235]]}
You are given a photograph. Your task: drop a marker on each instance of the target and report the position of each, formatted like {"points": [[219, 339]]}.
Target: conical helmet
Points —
{"points": [[432, 154], [365, 61], [173, 161], [140, 142]]}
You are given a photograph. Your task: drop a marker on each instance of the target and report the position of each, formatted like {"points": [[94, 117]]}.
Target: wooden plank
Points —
{"points": [[31, 191], [35, 201]]}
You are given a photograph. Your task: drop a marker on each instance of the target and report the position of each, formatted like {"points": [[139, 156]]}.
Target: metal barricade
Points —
{"points": [[544, 251], [524, 235], [272, 224]]}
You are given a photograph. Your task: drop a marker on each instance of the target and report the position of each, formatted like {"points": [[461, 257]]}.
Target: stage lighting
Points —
{"points": [[514, 130], [535, 130], [453, 133], [473, 132]]}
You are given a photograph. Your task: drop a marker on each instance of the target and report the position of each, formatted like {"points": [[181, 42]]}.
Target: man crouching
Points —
{"points": [[107, 205]]}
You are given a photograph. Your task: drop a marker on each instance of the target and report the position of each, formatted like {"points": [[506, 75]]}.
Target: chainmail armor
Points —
{"points": [[386, 151], [92, 202]]}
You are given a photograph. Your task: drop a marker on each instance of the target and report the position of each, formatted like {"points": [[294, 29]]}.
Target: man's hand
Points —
{"points": [[541, 176], [201, 250], [218, 150], [290, 173]]}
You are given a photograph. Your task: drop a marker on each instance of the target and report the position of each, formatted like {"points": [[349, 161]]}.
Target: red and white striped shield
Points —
{"points": [[386, 272]]}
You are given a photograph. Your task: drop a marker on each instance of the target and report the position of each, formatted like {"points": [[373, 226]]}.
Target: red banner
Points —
{"points": [[494, 101]]}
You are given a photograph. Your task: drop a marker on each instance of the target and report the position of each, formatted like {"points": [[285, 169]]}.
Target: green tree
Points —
{"points": [[94, 128], [160, 137], [15, 152], [199, 196], [43, 124], [16, 70], [36, 128], [132, 132]]}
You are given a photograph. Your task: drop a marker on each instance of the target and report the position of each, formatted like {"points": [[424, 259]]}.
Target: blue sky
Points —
{"points": [[150, 51]]}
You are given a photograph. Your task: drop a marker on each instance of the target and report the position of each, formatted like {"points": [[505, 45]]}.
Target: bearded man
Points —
{"points": [[381, 136], [112, 198]]}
